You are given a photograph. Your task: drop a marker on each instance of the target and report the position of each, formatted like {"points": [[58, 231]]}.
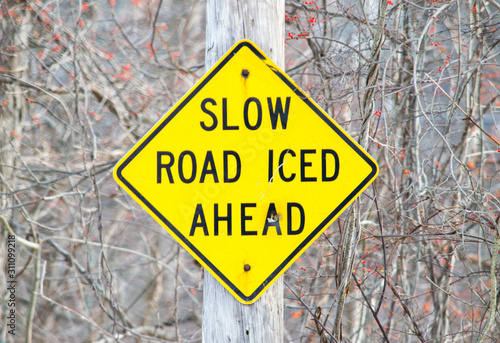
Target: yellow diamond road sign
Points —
{"points": [[245, 171]]}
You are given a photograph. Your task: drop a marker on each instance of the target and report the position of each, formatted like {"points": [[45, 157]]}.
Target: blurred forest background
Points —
{"points": [[82, 81]]}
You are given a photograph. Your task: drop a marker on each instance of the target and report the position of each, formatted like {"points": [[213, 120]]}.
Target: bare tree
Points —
{"points": [[414, 82]]}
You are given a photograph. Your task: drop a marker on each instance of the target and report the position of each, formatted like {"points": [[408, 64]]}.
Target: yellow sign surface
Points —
{"points": [[245, 171]]}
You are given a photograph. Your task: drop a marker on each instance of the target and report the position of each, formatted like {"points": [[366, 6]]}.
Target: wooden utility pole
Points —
{"points": [[225, 319]]}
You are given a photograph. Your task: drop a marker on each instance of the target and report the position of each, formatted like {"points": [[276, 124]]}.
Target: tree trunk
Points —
{"points": [[225, 319]]}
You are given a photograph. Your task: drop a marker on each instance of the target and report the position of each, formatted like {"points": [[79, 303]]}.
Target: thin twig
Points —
{"points": [[493, 287], [375, 315], [312, 314], [463, 112]]}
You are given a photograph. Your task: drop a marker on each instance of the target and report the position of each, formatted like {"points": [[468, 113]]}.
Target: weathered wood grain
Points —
{"points": [[225, 319]]}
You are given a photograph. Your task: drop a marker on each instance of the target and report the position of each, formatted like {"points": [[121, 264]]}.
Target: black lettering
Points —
{"points": [[304, 164], [324, 177], [281, 165], [289, 230], [193, 164], [225, 126], [210, 113], [278, 111], [160, 165], [244, 218], [270, 171], [272, 220], [236, 177], [218, 219], [209, 160], [259, 114], [198, 213]]}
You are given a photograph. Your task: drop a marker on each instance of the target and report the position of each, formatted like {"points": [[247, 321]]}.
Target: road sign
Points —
{"points": [[245, 171]]}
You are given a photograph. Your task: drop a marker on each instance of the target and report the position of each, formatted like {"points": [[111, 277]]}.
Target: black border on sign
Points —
{"points": [[313, 106]]}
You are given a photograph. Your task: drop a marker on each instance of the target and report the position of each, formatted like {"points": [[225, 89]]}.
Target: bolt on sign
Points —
{"points": [[245, 171]]}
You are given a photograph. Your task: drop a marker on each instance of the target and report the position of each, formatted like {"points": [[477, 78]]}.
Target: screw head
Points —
{"points": [[245, 73], [246, 267]]}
